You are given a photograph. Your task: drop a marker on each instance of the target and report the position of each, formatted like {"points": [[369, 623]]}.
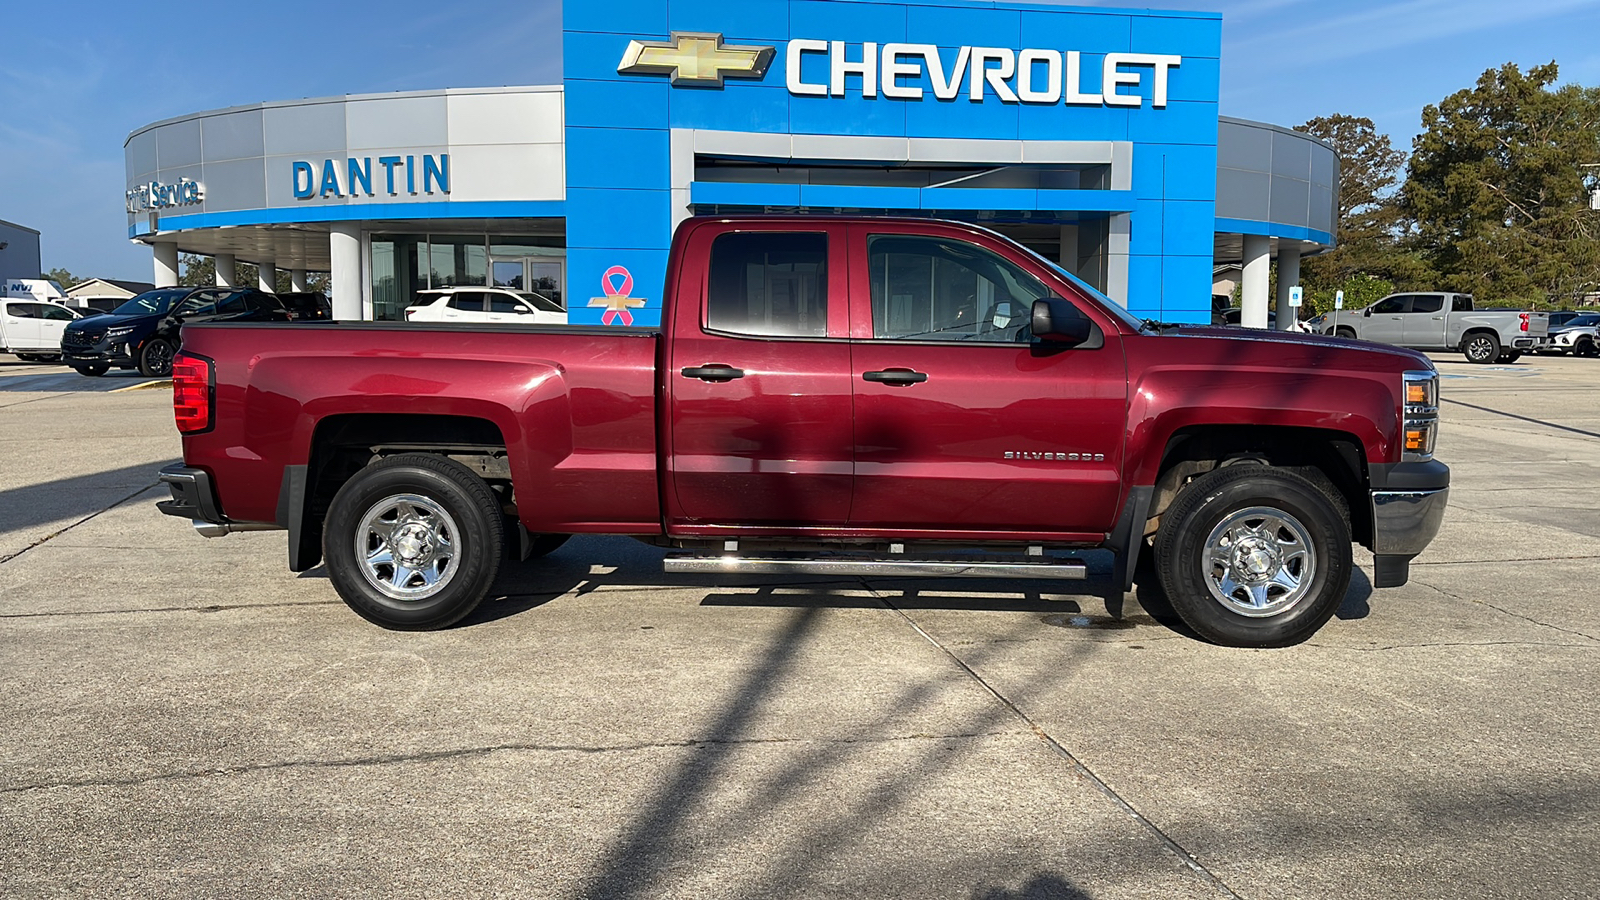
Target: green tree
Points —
{"points": [[1368, 240], [1497, 192], [63, 277]]}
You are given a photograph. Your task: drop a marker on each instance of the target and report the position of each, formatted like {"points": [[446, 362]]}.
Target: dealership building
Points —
{"points": [[1092, 136]]}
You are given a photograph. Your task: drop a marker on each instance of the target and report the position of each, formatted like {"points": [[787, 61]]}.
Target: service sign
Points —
{"points": [[156, 195]]}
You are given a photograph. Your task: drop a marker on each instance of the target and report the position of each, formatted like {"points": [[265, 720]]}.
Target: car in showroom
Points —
{"points": [[144, 333], [32, 329], [485, 304]]}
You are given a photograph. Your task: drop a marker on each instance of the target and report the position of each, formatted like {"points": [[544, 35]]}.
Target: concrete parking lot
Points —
{"points": [[186, 718]]}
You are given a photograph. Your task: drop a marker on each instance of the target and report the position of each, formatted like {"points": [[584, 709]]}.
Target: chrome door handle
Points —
{"points": [[713, 372], [895, 376]]}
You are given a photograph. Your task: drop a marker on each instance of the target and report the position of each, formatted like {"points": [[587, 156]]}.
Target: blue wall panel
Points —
{"points": [[620, 206]]}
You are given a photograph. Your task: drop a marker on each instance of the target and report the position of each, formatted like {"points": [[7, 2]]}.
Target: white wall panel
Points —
{"points": [[508, 172]]}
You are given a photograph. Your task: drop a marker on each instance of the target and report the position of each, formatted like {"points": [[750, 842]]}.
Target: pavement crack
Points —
{"points": [[229, 607], [473, 752], [1454, 644], [1083, 772], [54, 534], [1515, 615]]}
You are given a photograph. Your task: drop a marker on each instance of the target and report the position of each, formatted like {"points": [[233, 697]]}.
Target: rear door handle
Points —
{"points": [[895, 376], [714, 372]]}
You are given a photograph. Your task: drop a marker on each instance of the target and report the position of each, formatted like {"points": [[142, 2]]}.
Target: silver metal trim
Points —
{"points": [[1405, 522], [223, 529], [738, 565]]}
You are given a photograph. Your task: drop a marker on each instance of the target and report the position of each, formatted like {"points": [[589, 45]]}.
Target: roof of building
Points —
{"points": [[88, 288], [18, 227]]}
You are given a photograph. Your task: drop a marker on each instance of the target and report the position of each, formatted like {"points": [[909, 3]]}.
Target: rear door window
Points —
{"points": [[769, 284], [1427, 303]]}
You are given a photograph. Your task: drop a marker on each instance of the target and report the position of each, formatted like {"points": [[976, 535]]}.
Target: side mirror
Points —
{"points": [[1367, 312], [1058, 321]]}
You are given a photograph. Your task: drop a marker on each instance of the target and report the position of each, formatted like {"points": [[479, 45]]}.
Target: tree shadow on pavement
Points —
{"points": [[69, 499]]}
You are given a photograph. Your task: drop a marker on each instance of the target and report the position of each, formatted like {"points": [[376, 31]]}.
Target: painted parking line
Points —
{"points": [[143, 386]]}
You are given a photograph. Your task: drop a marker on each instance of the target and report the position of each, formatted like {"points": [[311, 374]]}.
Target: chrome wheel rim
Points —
{"points": [[407, 547], [1259, 562], [1479, 348]]}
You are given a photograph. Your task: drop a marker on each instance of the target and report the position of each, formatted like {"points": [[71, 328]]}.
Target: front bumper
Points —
{"points": [[104, 353], [1408, 502], [194, 498]]}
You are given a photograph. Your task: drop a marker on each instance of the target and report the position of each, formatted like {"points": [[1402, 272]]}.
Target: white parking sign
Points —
{"points": [[1295, 295]]}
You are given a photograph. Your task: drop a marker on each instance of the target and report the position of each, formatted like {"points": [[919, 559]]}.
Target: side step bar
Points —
{"points": [[1072, 570]]}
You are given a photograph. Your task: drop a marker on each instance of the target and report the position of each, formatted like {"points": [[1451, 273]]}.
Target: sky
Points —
{"points": [[80, 75]]}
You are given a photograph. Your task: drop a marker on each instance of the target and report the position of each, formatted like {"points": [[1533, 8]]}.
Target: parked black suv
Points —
{"points": [[143, 332]]}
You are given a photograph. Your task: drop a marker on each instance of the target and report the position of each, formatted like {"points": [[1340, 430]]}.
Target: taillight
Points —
{"points": [[191, 393], [1524, 318]]}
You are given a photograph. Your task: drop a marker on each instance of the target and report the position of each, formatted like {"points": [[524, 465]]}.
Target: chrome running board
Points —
{"points": [[1071, 570]]}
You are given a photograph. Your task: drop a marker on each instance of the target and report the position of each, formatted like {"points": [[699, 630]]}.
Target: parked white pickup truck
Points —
{"points": [[32, 329], [1442, 321]]}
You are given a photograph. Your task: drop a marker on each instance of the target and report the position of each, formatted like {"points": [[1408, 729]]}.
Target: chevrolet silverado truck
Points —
{"points": [[1437, 321], [848, 397]]}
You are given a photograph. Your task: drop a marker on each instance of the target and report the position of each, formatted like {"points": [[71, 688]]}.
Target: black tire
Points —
{"points": [[1584, 348], [1345, 333], [155, 358], [1510, 356], [1482, 348], [1199, 520], [471, 523], [93, 371]]}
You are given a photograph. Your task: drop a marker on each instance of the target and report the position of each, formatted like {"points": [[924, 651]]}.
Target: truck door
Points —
{"points": [[758, 379], [1424, 322], [962, 421], [1385, 320]]}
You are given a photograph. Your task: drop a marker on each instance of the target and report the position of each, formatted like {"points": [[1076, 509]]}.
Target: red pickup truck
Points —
{"points": [[838, 396]]}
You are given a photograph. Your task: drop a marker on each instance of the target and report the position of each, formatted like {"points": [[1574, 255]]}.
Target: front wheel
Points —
{"points": [[1345, 333], [94, 370], [1254, 556], [1481, 348], [155, 359], [413, 542], [1585, 348]]}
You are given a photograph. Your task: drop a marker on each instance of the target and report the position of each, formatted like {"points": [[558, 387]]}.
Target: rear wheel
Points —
{"points": [[1254, 556], [413, 542], [1481, 348]]}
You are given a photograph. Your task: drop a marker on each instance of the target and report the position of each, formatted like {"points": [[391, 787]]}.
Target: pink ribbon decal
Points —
{"points": [[616, 300]]}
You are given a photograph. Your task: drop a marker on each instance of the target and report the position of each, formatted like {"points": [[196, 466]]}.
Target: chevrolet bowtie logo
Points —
{"points": [[695, 58]]}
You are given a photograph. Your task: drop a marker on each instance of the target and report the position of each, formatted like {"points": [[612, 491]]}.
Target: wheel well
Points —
{"points": [[343, 445], [1479, 330], [1333, 457]]}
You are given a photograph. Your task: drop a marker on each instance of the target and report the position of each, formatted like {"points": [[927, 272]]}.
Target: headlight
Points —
{"points": [[122, 332], [1421, 415]]}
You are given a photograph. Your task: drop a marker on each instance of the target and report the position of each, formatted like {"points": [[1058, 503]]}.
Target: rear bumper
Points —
{"points": [[194, 498]]}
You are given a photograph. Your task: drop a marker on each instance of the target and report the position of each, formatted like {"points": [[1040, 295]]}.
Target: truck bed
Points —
{"points": [[575, 408]]}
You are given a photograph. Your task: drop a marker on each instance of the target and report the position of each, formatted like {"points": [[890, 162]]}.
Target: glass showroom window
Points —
{"points": [[403, 265]]}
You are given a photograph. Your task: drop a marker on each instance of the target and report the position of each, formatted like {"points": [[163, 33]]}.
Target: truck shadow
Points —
{"points": [[587, 565]]}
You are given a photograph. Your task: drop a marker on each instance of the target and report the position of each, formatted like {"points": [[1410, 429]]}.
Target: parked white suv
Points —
{"points": [[485, 304], [32, 329]]}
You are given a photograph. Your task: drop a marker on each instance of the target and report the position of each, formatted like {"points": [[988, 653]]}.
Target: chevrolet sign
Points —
{"points": [[1038, 76]]}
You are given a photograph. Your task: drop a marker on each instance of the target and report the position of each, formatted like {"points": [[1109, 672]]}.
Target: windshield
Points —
{"points": [[539, 301], [1582, 321], [151, 303], [1111, 306]]}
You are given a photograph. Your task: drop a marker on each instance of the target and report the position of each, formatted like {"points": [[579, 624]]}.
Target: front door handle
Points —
{"points": [[714, 372], [895, 376]]}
